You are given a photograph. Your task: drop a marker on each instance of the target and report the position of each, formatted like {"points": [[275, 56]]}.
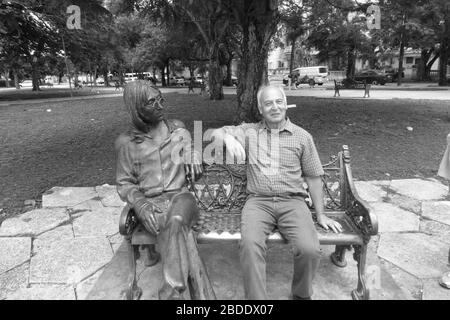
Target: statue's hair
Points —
{"points": [[136, 95], [264, 87]]}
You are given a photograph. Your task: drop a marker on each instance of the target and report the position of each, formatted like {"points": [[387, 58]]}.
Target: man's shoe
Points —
{"points": [[445, 280]]}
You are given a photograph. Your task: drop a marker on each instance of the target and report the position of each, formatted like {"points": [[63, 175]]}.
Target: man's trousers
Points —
{"points": [[290, 214]]}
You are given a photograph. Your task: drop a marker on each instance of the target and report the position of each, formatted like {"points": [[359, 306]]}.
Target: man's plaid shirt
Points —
{"points": [[277, 160]]}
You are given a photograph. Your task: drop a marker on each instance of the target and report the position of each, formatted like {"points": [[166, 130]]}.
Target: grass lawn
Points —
{"points": [[73, 144], [11, 94]]}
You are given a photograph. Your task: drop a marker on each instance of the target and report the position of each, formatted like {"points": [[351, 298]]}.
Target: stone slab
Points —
{"points": [[44, 292], [13, 280], [89, 205], [13, 252], [109, 196], [67, 196], [59, 233], [69, 260], [409, 284], [404, 202], [420, 189], [394, 219], [417, 253], [98, 222], [114, 279], [380, 282], [433, 291], [437, 211], [372, 191], [115, 241], [438, 230], [84, 287], [34, 222]]}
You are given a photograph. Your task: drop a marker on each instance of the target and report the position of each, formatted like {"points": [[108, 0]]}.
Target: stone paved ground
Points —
{"points": [[59, 251]]}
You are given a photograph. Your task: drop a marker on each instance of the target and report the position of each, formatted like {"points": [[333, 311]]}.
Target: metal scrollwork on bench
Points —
{"points": [[222, 187]]}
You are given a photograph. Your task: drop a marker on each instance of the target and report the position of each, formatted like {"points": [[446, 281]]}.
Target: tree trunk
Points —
{"points": [[291, 63], [105, 77], [350, 72], [444, 53], [258, 26], [228, 80], [421, 70], [6, 75], [35, 76], [95, 75], [16, 79], [402, 52], [215, 77]]}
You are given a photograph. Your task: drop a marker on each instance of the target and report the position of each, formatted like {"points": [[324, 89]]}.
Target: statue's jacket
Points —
{"points": [[146, 169]]}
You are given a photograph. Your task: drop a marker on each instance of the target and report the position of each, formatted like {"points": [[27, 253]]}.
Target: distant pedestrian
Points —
{"points": [[203, 88], [191, 86]]}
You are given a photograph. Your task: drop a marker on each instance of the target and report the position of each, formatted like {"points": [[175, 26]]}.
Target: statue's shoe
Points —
{"points": [[445, 280], [151, 256]]}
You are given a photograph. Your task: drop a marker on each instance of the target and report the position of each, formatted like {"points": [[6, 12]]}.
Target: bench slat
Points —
{"points": [[220, 227]]}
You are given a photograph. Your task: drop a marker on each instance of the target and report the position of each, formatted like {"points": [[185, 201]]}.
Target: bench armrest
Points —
{"points": [[356, 208]]}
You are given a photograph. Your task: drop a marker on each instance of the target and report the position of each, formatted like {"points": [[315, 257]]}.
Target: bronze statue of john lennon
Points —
{"points": [[153, 184]]}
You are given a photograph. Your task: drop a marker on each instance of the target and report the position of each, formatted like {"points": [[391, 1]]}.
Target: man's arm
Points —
{"points": [[234, 147], [316, 191], [193, 163]]}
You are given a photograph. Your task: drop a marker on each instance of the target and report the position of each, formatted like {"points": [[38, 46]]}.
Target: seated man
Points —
{"points": [[280, 155], [153, 184]]}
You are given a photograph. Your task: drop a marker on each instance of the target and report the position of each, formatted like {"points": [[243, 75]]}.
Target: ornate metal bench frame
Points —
{"points": [[221, 195]]}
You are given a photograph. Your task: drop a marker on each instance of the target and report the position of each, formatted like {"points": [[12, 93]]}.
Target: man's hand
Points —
{"points": [[194, 170], [146, 215], [328, 223], [234, 148]]}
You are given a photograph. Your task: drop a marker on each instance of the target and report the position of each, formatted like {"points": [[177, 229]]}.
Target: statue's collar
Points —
{"points": [[138, 136]]}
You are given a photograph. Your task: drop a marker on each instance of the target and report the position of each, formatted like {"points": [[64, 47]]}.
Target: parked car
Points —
{"points": [[26, 83], [299, 80], [198, 80], [392, 75], [371, 76], [234, 80], [177, 81]]}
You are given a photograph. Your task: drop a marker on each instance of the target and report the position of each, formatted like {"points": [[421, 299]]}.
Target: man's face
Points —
{"points": [[152, 111], [273, 107]]}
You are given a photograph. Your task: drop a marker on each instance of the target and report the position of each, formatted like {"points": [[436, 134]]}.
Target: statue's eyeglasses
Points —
{"points": [[152, 102]]}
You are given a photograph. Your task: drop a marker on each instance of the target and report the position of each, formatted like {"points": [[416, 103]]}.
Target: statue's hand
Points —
{"points": [[146, 215]]}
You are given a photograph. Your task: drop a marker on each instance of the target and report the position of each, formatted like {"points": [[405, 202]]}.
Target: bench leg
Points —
{"points": [[338, 256], [133, 292], [361, 292], [198, 280]]}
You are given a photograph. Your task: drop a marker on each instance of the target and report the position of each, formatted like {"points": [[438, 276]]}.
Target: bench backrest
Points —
{"points": [[222, 188]]}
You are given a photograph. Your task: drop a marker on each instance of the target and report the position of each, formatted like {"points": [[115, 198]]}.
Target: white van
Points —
{"points": [[318, 73], [130, 77]]}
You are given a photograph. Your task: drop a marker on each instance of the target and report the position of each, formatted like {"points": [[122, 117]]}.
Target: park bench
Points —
{"points": [[221, 194], [349, 83]]}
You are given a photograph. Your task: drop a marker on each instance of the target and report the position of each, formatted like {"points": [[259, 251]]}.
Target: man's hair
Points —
{"points": [[136, 95], [264, 87]]}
